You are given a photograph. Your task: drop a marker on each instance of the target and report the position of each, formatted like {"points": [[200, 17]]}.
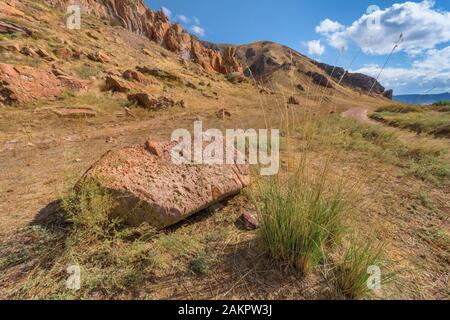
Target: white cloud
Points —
{"points": [[327, 26], [196, 20], [315, 48], [199, 31], [423, 27], [433, 71], [167, 12], [183, 18]]}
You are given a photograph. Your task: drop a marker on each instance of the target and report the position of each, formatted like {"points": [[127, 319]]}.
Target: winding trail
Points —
{"points": [[360, 114]]}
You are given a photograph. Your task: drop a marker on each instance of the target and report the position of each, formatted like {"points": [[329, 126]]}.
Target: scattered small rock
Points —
{"points": [[182, 104], [132, 75], [235, 77], [146, 100], [66, 112], [28, 52], [158, 73], [250, 221], [92, 35], [44, 55], [223, 113], [146, 52], [98, 57], [115, 84], [293, 100]]}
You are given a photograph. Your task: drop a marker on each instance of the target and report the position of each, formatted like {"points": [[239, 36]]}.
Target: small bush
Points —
{"points": [[199, 266], [88, 208], [86, 71], [300, 217], [352, 272]]}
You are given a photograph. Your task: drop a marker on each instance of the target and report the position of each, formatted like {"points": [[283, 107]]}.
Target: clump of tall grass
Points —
{"points": [[354, 271], [301, 217]]}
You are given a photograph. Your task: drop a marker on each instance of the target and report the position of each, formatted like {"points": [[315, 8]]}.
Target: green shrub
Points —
{"points": [[300, 217], [88, 208]]}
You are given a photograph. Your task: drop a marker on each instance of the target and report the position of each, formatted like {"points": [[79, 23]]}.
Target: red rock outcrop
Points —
{"points": [[149, 187], [136, 17], [21, 84]]}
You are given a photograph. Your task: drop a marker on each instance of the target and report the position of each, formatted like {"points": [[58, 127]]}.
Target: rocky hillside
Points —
{"points": [[263, 60], [136, 17]]}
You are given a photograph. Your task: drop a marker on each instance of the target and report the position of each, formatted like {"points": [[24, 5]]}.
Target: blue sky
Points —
{"points": [[336, 32]]}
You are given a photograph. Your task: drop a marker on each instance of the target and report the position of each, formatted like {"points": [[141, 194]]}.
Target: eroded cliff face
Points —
{"points": [[136, 17]]}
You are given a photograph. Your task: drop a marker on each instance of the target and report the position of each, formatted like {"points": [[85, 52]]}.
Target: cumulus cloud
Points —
{"points": [[432, 71], [422, 25], [167, 12], [183, 18], [315, 48], [327, 26], [192, 24], [199, 31]]}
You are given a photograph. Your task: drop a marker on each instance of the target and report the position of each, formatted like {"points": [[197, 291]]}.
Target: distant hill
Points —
{"points": [[422, 98], [274, 63]]}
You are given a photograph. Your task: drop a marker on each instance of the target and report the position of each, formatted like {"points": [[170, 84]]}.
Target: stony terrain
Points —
{"points": [[129, 76]]}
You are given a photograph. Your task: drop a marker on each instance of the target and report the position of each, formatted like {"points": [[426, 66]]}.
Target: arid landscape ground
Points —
{"points": [[66, 98]]}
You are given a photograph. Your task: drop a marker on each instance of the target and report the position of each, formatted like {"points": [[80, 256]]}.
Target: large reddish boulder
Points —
{"points": [[148, 187], [20, 84]]}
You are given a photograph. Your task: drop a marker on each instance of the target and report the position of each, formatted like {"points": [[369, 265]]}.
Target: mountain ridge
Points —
{"points": [[261, 59], [422, 98]]}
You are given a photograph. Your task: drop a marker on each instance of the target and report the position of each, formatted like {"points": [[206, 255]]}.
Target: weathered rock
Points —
{"points": [[71, 82], [250, 221], [115, 84], [293, 100], [132, 75], [223, 113], [64, 53], [65, 112], [389, 94], [146, 52], [21, 84], [12, 28], [28, 52], [354, 80], [58, 72], [149, 187], [319, 79], [182, 104], [236, 77], [98, 57], [146, 100], [44, 54], [92, 35], [159, 73]]}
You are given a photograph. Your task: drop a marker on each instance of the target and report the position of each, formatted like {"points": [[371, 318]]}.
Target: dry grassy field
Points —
{"points": [[364, 192]]}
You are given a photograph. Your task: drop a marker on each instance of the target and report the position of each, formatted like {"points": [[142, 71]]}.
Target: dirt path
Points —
{"points": [[359, 113]]}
